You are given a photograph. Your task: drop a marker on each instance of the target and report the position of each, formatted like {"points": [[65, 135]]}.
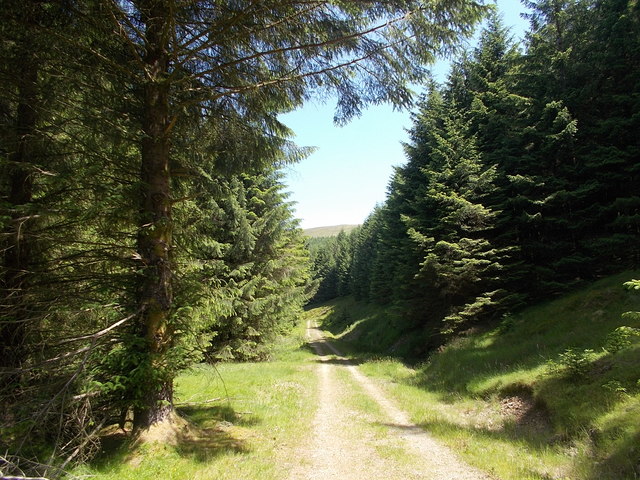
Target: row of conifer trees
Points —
{"points": [[73, 353], [521, 177]]}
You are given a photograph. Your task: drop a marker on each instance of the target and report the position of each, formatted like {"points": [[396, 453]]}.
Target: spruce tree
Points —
{"points": [[260, 271], [588, 202], [529, 138], [365, 255], [324, 267], [460, 266], [605, 85], [21, 154], [62, 265]]}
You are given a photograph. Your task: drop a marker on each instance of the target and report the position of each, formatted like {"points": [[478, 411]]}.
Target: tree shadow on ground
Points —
{"points": [[621, 433], [208, 432], [320, 348], [344, 361], [211, 431], [202, 416], [622, 461], [536, 439], [208, 443], [312, 346]]}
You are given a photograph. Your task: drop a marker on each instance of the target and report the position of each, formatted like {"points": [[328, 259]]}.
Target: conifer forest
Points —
{"points": [[146, 226], [521, 178]]}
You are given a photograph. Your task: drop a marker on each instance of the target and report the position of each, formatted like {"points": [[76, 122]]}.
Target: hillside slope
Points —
{"points": [[330, 231], [550, 393]]}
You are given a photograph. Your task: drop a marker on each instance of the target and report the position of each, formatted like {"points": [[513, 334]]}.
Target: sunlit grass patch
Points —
{"points": [[243, 420], [472, 426]]}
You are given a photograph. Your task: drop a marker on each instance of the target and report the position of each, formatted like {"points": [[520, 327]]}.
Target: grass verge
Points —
{"points": [[244, 422], [539, 397]]}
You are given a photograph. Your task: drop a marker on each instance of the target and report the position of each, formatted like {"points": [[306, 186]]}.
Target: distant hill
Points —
{"points": [[328, 231]]}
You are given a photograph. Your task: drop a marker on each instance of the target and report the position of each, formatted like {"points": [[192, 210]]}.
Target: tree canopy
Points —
{"points": [[144, 226]]}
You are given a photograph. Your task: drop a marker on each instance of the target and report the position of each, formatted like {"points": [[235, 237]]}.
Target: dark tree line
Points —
{"points": [[522, 173], [331, 259], [143, 221]]}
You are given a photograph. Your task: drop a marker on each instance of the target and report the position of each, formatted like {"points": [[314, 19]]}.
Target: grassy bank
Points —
{"points": [[551, 393], [368, 328], [243, 422]]}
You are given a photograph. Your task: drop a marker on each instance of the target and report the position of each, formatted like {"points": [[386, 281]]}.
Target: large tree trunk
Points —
{"points": [[17, 257], [156, 226]]}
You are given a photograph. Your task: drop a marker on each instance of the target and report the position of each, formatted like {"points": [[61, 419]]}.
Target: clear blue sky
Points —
{"points": [[348, 174]]}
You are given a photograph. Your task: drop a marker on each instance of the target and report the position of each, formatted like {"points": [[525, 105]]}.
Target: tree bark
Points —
{"points": [[156, 225], [17, 256]]}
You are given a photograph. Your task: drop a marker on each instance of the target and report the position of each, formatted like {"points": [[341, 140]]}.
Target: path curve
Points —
{"points": [[341, 448]]}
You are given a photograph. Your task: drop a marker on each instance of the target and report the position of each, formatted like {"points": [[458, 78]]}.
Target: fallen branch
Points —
{"points": [[10, 462], [99, 333]]}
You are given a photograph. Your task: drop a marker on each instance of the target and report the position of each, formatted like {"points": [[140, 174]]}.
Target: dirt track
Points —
{"points": [[352, 443]]}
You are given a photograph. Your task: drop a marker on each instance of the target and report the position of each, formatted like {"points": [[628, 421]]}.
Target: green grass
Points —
{"points": [[368, 329], [583, 423], [583, 426], [261, 413]]}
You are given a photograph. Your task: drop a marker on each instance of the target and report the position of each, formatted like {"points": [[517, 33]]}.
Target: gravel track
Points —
{"points": [[350, 444]]}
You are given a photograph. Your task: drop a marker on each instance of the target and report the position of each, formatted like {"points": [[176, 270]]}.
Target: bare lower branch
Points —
{"points": [[99, 333]]}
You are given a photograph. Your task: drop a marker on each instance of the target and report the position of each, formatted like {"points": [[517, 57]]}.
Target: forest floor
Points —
{"points": [[358, 433]]}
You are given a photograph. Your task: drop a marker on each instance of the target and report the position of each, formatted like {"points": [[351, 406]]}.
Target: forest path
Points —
{"points": [[359, 434]]}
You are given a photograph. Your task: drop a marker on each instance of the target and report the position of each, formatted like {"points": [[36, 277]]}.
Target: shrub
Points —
{"points": [[575, 364], [621, 338]]}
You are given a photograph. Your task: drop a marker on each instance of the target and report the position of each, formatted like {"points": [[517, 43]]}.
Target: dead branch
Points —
{"points": [[96, 335]]}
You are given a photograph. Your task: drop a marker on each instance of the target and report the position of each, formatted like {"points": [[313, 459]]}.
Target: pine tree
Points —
{"points": [[530, 139], [21, 142], [62, 275], [605, 84], [460, 266], [587, 199], [262, 272], [324, 267], [366, 255], [397, 261], [522, 171]]}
